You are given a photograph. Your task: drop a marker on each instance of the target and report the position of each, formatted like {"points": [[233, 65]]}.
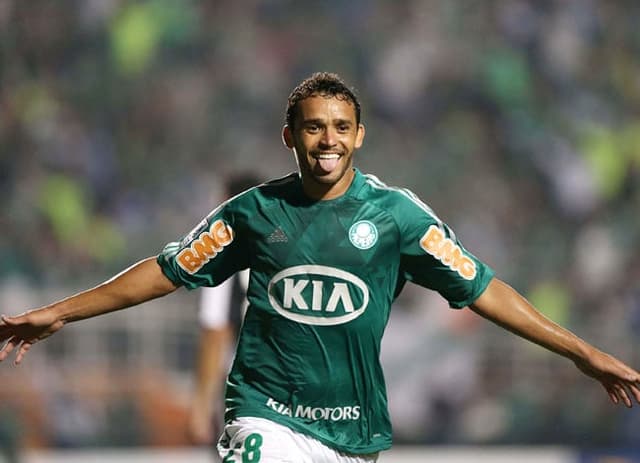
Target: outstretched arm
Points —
{"points": [[506, 307], [139, 283]]}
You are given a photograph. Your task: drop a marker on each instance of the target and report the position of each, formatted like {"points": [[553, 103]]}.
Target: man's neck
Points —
{"points": [[325, 191]]}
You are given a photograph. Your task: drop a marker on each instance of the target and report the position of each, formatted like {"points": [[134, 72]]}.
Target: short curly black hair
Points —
{"points": [[326, 84]]}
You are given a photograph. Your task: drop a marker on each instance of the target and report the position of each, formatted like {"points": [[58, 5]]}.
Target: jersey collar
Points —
{"points": [[357, 183]]}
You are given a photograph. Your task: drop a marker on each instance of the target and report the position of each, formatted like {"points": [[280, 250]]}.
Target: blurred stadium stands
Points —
{"points": [[518, 121]]}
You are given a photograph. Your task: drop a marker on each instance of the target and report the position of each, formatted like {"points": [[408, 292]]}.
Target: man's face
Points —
{"points": [[323, 139]]}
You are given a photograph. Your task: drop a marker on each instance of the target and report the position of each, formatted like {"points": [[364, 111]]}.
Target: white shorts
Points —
{"points": [[256, 440]]}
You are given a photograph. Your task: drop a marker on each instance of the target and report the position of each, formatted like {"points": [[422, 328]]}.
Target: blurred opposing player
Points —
{"points": [[221, 312], [329, 249]]}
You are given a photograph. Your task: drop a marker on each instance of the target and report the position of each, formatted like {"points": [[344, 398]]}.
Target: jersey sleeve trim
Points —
{"points": [[489, 274], [375, 182], [166, 268]]}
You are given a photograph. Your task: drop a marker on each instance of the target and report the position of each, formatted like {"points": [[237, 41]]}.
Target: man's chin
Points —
{"points": [[327, 178]]}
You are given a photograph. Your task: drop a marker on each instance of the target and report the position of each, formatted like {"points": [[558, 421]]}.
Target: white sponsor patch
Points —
{"points": [[346, 412], [318, 295]]}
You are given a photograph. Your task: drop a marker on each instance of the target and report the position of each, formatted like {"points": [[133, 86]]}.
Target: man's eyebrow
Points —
{"points": [[343, 121], [313, 121], [320, 121]]}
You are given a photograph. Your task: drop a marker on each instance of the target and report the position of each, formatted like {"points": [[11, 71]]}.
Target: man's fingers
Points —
{"points": [[612, 393], [11, 321], [12, 343], [618, 393], [634, 387], [635, 392], [622, 392], [24, 348], [8, 348], [627, 386]]}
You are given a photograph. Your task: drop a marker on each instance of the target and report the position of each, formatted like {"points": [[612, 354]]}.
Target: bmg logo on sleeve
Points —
{"points": [[449, 253], [205, 247]]}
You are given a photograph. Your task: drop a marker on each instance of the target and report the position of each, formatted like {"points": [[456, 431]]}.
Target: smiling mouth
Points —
{"points": [[326, 155]]}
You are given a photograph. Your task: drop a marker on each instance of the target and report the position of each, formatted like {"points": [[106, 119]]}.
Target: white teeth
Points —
{"points": [[327, 156]]}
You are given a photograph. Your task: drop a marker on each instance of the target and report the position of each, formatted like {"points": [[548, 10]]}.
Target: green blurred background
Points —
{"points": [[517, 121]]}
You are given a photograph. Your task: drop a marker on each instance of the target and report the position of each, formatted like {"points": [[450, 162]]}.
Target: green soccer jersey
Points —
{"points": [[323, 277]]}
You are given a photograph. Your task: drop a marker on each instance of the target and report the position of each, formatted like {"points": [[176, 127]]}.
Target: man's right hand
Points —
{"points": [[22, 331]]}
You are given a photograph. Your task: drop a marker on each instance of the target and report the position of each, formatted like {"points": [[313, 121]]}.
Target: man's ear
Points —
{"points": [[359, 136], [287, 137]]}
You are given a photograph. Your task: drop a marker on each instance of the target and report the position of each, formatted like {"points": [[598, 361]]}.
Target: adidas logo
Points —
{"points": [[277, 236]]}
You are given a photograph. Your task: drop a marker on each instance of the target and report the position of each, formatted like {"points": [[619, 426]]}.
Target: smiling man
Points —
{"points": [[323, 130], [329, 249]]}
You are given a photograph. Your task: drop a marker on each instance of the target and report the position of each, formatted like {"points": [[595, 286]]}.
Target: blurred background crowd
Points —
{"points": [[518, 121]]}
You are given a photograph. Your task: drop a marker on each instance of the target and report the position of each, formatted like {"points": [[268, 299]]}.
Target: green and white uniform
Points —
{"points": [[323, 277]]}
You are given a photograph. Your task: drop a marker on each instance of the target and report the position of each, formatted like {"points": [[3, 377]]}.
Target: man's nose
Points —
{"points": [[328, 137]]}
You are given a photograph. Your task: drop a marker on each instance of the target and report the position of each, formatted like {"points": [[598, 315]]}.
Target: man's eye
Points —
{"points": [[312, 128], [343, 128]]}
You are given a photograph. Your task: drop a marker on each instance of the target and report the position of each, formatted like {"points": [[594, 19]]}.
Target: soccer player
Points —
{"points": [[329, 249], [221, 310]]}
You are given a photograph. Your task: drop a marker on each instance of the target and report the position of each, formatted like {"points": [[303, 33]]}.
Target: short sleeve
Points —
{"points": [[433, 257], [209, 254]]}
